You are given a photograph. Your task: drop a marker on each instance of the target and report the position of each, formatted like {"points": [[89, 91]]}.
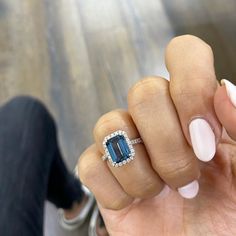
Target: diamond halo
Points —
{"points": [[127, 146]]}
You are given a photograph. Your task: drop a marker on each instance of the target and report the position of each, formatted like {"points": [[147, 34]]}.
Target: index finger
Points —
{"points": [[193, 84]]}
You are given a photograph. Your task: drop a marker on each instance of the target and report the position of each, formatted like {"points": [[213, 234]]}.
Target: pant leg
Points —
{"points": [[63, 187], [31, 168]]}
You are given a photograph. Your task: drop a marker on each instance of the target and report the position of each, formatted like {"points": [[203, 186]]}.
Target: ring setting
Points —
{"points": [[119, 148]]}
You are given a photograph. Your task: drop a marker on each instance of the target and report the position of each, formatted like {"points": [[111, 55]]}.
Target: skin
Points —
{"points": [[131, 198]]}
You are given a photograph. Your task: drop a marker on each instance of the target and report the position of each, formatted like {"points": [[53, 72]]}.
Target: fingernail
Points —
{"points": [[164, 192], [231, 90], [190, 190], [202, 139]]}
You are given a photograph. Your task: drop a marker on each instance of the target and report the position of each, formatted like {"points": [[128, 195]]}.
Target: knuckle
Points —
{"points": [[86, 168], [188, 41], [201, 87], [108, 121], [146, 89], [176, 172], [186, 38], [83, 171], [119, 203], [146, 189]]}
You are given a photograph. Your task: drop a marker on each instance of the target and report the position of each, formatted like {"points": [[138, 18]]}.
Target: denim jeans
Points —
{"points": [[31, 168]]}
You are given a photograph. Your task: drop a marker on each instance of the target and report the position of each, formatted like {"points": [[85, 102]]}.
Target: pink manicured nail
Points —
{"points": [[202, 139], [190, 190], [231, 90]]}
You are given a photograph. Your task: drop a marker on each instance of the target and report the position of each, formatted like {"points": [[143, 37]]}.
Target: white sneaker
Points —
{"points": [[76, 222], [94, 222]]}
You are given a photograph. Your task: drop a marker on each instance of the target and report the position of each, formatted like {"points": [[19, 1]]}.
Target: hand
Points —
{"points": [[184, 148]]}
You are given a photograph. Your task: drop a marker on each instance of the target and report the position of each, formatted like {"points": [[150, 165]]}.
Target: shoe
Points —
{"points": [[76, 222], [95, 222]]}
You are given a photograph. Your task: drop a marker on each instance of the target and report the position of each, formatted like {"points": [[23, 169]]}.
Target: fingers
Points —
{"points": [[225, 107], [155, 116], [175, 120], [96, 175], [192, 87], [137, 178]]}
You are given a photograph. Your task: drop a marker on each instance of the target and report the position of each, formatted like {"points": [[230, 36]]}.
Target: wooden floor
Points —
{"points": [[81, 56]]}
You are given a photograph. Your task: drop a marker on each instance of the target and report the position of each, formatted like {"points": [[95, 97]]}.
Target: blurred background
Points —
{"points": [[80, 57]]}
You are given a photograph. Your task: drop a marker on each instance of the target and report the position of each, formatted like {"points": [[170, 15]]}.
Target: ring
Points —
{"points": [[119, 148]]}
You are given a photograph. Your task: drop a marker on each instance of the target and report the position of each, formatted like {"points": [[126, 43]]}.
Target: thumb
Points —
{"points": [[225, 106]]}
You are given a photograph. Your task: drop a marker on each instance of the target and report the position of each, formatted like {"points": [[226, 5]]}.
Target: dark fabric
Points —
{"points": [[31, 168]]}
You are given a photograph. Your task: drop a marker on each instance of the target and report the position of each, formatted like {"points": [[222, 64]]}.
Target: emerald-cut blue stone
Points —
{"points": [[118, 148]]}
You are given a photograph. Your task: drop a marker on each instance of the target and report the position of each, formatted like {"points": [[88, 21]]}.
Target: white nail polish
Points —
{"points": [[164, 192], [202, 139], [231, 90], [190, 190]]}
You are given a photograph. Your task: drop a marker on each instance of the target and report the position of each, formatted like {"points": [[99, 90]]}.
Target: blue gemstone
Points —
{"points": [[118, 148]]}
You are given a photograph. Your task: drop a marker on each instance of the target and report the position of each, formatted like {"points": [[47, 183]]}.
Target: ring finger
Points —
{"points": [[137, 178]]}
